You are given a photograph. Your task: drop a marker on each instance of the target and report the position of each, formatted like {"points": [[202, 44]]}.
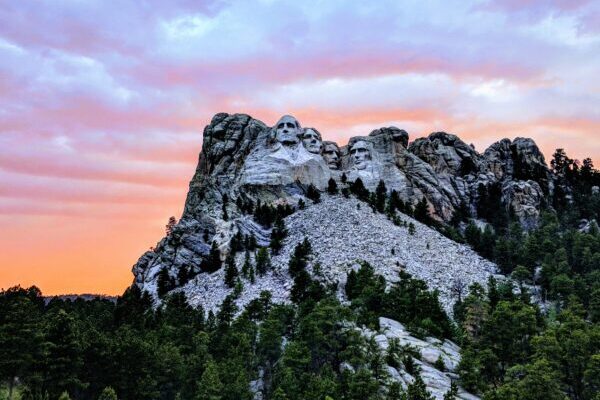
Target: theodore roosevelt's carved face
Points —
{"points": [[312, 141], [331, 154], [287, 130], [360, 154]]}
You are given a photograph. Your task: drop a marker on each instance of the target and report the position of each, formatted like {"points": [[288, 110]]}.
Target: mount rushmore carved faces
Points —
{"points": [[312, 140], [360, 154], [288, 131], [331, 154]]}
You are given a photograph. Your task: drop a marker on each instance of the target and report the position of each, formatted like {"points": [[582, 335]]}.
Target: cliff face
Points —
{"points": [[243, 160]]}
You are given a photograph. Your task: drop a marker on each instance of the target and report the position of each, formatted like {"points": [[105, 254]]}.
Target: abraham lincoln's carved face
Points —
{"points": [[361, 155]]}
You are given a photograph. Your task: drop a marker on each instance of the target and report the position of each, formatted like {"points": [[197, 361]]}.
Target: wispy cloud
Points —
{"points": [[102, 105]]}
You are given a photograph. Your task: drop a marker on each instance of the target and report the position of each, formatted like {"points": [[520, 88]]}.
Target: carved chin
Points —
{"points": [[332, 165], [360, 164], [288, 140], [314, 148]]}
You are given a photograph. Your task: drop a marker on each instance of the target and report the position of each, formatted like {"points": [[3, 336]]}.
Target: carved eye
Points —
{"points": [[280, 126], [290, 125]]}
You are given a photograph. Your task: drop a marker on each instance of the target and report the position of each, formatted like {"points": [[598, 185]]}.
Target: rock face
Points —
{"points": [[430, 350], [243, 160], [342, 232]]}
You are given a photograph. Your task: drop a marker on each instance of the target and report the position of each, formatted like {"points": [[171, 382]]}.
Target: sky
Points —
{"points": [[103, 103]]}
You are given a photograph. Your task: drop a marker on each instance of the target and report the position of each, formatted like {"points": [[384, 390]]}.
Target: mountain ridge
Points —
{"points": [[243, 161]]}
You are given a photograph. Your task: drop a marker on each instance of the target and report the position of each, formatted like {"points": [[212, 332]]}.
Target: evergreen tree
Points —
{"points": [[313, 194], [247, 265], [20, 334], [164, 282], [183, 275], [279, 394], [421, 212], [252, 275], [452, 393], [411, 229], [278, 233], [64, 355], [170, 225], [380, 196], [301, 204], [212, 263], [64, 396], [417, 390], [358, 189], [225, 214], [108, 393], [332, 186], [473, 235], [263, 261], [231, 271], [210, 386]]}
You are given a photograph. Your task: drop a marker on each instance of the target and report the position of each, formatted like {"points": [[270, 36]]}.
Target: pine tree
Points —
{"points": [[421, 212], [247, 265], [263, 261], [231, 271], [225, 215], [210, 386], [395, 392], [65, 355], [183, 275], [358, 188], [452, 393], [417, 390], [164, 282], [108, 393], [344, 178], [332, 186], [301, 204], [380, 196], [212, 263], [279, 394], [170, 225], [20, 334], [411, 229], [313, 194], [251, 275], [278, 233]]}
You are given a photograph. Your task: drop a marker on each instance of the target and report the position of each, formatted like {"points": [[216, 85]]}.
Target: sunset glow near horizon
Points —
{"points": [[102, 104]]}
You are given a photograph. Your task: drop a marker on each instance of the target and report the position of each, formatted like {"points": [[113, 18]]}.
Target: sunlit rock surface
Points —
{"points": [[245, 159]]}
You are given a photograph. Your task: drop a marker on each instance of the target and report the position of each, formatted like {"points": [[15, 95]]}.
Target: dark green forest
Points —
{"points": [[511, 348]]}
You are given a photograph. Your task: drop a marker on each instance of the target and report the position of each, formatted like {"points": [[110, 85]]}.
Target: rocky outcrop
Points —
{"points": [[343, 232], [245, 161], [429, 351]]}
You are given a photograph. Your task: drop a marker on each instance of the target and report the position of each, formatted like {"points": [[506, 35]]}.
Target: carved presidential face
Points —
{"points": [[287, 130], [331, 154], [360, 154], [312, 141]]}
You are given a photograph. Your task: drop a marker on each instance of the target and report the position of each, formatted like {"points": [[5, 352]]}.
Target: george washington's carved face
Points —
{"points": [[312, 141], [361, 154], [287, 130]]}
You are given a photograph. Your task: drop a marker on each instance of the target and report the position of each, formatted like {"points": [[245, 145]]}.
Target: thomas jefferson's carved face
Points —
{"points": [[312, 141], [287, 130]]}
